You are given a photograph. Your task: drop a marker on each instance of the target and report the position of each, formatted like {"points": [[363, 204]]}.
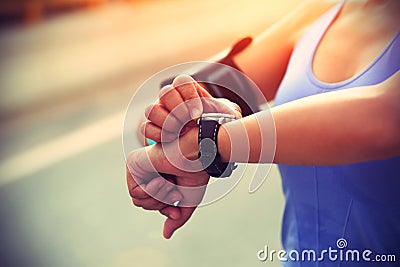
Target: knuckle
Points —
{"points": [[146, 208], [166, 94], [185, 86], [169, 186], [136, 202], [157, 206], [142, 127], [156, 135], [188, 92], [131, 162], [236, 106], [136, 191], [167, 137], [194, 102], [132, 194], [187, 89], [182, 79], [150, 131], [148, 110], [171, 124]]}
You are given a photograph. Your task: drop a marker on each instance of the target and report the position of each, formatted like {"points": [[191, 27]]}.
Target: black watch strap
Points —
{"points": [[208, 150]]}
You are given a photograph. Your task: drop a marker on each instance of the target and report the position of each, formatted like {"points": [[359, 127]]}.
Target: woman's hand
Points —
{"points": [[178, 108], [158, 176], [172, 120]]}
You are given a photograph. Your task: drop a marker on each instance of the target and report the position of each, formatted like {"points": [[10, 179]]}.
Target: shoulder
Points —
{"points": [[307, 13]]}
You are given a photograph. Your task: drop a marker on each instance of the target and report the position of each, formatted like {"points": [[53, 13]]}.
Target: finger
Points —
{"points": [[138, 192], [154, 186], [221, 106], [151, 190], [155, 202], [146, 163], [186, 87], [158, 115], [187, 127], [192, 193], [149, 203], [202, 91], [163, 191], [155, 133], [140, 169], [171, 99], [159, 206], [231, 105], [171, 212], [171, 225], [173, 195], [142, 196], [158, 188], [167, 194], [139, 134], [133, 186]]}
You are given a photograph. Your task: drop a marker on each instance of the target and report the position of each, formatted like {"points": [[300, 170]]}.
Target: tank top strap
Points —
{"points": [[307, 45], [320, 27]]}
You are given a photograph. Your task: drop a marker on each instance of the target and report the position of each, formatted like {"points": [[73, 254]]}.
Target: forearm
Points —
{"points": [[334, 128]]}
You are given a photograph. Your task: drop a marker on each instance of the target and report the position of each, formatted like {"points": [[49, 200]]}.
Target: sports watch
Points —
{"points": [[209, 124]]}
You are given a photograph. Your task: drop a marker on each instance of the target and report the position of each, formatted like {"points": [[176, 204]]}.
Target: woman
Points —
{"points": [[333, 72]]}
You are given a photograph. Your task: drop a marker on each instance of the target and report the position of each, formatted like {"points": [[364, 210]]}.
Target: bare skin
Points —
{"points": [[365, 125], [152, 192]]}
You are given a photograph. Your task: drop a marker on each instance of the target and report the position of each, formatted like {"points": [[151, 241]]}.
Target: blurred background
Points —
{"points": [[68, 69]]}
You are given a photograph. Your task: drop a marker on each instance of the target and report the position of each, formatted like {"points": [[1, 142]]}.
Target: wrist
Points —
{"points": [[224, 144], [188, 144]]}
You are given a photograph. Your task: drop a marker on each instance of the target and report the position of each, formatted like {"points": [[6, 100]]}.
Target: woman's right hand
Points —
{"points": [[174, 116]]}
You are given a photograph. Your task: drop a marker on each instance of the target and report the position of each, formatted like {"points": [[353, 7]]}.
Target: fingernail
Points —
{"points": [[150, 142], [182, 79], [195, 113], [175, 199], [173, 216]]}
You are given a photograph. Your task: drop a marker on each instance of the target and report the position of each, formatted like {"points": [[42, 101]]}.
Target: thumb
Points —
{"points": [[170, 225], [192, 188]]}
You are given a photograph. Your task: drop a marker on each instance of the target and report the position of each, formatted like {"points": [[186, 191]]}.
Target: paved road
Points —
{"points": [[63, 200], [77, 213]]}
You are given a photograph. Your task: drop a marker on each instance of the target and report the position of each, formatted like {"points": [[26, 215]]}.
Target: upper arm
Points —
{"points": [[266, 59], [389, 100]]}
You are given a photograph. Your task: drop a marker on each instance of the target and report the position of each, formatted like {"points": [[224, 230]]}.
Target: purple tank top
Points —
{"points": [[357, 203]]}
